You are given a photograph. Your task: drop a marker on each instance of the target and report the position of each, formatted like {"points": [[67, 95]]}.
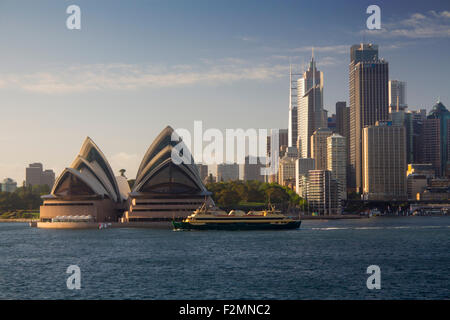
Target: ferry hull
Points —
{"points": [[236, 226]]}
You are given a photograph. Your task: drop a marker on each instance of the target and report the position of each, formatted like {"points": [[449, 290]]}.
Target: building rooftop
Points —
{"points": [[438, 111]]}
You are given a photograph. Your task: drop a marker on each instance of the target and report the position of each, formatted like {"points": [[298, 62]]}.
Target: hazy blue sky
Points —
{"points": [[136, 66]]}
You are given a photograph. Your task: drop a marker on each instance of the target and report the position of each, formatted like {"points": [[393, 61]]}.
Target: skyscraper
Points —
{"points": [[343, 128], [384, 162], [337, 161], [413, 123], [293, 123], [436, 135], [311, 115], [342, 119], [418, 118], [397, 95], [368, 84]]}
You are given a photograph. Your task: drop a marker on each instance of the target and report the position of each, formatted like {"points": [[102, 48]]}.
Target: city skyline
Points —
{"points": [[63, 85]]}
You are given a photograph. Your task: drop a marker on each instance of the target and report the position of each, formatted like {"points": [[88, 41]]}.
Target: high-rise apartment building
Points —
{"points": [[337, 161], [311, 115], [319, 147], [368, 84], [384, 162], [322, 193]]}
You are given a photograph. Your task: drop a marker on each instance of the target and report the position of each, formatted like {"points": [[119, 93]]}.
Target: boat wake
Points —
{"points": [[377, 228]]}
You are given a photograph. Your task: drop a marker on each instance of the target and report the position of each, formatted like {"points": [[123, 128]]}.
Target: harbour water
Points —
{"points": [[321, 260]]}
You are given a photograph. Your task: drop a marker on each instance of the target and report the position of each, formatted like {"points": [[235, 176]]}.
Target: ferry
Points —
{"points": [[216, 219]]}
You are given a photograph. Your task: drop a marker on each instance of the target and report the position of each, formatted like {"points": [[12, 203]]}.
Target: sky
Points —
{"points": [[138, 66]]}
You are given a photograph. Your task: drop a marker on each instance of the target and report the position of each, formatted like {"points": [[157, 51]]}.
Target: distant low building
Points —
{"points": [[437, 190], [251, 170], [415, 185], [35, 175], [425, 169], [227, 171], [9, 185]]}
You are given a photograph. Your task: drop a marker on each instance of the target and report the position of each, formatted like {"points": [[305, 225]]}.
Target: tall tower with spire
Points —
{"points": [[311, 115]]}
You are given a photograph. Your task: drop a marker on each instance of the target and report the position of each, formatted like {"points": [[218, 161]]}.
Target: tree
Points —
{"points": [[122, 172], [253, 193], [227, 198], [210, 179], [277, 195]]}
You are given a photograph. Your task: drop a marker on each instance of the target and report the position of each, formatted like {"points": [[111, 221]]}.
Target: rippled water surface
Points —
{"points": [[321, 260]]}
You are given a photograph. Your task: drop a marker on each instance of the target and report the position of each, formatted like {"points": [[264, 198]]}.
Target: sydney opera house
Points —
{"points": [[88, 191]]}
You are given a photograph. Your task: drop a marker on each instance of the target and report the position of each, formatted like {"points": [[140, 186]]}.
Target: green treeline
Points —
{"points": [[228, 195], [253, 194], [23, 199]]}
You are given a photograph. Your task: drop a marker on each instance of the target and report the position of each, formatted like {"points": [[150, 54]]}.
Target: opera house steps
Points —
{"points": [[88, 194]]}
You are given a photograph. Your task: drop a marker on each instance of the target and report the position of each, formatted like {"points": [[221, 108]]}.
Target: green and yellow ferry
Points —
{"points": [[216, 219]]}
